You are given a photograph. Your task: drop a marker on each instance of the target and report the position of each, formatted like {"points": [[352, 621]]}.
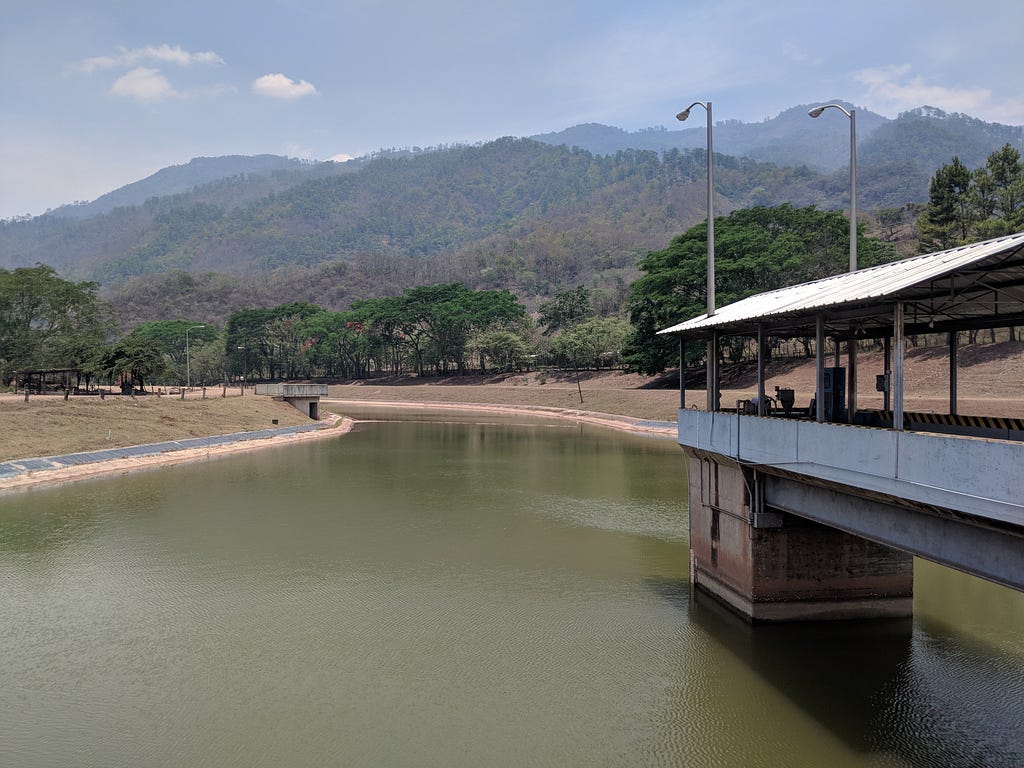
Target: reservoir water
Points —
{"points": [[433, 590]]}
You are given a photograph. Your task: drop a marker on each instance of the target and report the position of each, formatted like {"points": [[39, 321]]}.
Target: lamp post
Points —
{"points": [[712, 385], [188, 360], [852, 114], [851, 345]]}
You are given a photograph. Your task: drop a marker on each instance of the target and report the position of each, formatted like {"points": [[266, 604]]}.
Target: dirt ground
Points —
{"points": [[990, 382]]}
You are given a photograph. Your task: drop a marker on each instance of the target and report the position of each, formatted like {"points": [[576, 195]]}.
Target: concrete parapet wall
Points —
{"points": [[282, 389], [971, 475]]}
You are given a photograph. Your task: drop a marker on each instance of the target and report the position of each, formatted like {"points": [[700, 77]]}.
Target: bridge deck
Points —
{"points": [[978, 476]]}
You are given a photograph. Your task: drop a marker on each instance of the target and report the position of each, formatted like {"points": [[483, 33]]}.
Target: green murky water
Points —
{"points": [[439, 592]]}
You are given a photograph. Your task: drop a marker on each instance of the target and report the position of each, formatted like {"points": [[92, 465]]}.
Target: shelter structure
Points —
{"points": [[48, 380], [883, 484]]}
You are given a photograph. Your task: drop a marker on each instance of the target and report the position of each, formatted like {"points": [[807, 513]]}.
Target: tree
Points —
{"points": [[46, 321], [208, 364], [756, 250], [948, 217], [594, 343], [505, 349], [567, 308], [131, 362], [169, 336], [999, 194], [965, 206]]}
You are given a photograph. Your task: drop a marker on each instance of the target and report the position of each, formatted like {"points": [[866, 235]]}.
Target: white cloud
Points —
{"points": [[340, 158], [891, 90], [278, 86], [145, 85], [132, 57]]}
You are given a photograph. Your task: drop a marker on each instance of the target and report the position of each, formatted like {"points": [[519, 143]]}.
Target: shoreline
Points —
{"points": [[339, 425], [609, 420]]}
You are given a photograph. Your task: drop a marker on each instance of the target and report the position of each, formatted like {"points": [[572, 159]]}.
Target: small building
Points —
{"points": [[49, 381]]}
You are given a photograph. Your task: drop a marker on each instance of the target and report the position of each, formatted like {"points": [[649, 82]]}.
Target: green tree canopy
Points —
{"points": [[999, 194], [169, 336], [756, 249], [46, 321], [965, 206], [132, 362], [566, 309], [593, 343]]}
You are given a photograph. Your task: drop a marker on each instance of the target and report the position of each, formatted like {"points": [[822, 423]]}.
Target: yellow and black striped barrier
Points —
{"points": [[912, 418]]}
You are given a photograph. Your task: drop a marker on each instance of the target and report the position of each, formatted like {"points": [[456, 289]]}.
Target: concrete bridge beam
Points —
{"points": [[981, 548]]}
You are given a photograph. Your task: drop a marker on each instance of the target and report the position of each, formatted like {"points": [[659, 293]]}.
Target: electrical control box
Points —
{"points": [[835, 394]]}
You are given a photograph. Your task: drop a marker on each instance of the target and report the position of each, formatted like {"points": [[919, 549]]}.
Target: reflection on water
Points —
{"points": [[455, 592]]}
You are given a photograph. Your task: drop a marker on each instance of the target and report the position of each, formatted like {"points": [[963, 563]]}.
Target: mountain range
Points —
{"points": [[534, 215]]}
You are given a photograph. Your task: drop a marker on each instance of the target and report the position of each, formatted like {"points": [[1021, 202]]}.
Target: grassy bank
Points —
{"points": [[49, 425]]}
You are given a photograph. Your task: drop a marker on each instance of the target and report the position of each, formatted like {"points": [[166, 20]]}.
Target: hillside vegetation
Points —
{"points": [[531, 216]]}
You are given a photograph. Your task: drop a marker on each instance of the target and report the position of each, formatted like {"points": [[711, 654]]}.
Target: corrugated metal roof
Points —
{"points": [[873, 284]]}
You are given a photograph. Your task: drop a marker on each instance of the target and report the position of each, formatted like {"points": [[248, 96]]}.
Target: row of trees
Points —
{"points": [[965, 206], [434, 329], [47, 322]]}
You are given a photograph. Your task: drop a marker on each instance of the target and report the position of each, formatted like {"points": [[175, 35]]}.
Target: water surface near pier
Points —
{"points": [[455, 591]]}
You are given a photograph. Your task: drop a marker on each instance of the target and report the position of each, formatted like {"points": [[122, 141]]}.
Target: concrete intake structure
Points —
{"points": [[817, 513], [304, 397]]}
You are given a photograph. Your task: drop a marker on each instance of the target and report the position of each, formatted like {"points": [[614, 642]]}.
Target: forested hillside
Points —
{"points": [[509, 213], [526, 215]]}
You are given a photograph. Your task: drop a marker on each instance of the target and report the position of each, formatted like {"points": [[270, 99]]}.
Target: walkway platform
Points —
{"points": [[17, 467]]}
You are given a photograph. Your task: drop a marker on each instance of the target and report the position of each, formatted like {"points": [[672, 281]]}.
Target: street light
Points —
{"points": [[188, 361], [711, 206], [851, 345], [852, 114], [712, 385]]}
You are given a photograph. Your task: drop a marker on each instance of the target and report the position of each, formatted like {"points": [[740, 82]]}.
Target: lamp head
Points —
{"points": [[816, 111], [683, 115]]}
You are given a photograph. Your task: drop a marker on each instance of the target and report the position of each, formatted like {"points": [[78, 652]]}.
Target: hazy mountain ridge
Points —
{"points": [[823, 144], [926, 135], [529, 215], [176, 179]]}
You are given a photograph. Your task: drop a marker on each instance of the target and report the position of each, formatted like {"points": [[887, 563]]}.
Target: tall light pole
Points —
{"points": [[188, 360], [851, 344], [852, 114], [712, 366], [711, 206]]}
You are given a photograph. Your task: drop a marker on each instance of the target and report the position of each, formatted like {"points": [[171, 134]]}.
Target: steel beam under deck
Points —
{"points": [[974, 546]]}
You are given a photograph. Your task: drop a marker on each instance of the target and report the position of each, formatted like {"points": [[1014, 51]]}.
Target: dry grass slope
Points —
{"points": [[47, 425]]}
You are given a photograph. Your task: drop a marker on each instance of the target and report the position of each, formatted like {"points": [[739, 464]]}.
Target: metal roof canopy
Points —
{"points": [[973, 286]]}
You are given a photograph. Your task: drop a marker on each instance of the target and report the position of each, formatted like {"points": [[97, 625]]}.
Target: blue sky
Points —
{"points": [[95, 94]]}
